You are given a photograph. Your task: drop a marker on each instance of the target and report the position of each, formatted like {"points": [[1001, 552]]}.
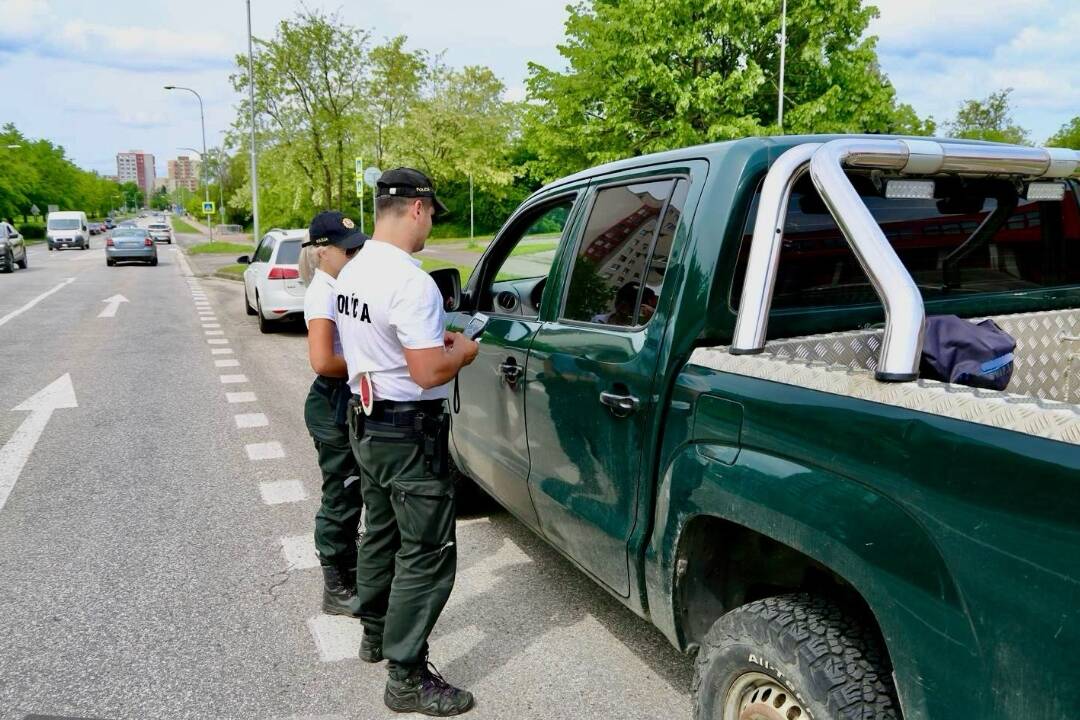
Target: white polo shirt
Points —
{"points": [[386, 303], [320, 302]]}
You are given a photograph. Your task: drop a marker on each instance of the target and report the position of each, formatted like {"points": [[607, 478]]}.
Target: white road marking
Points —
{"points": [[233, 379], [211, 325], [221, 351], [336, 637], [185, 269], [282, 491], [14, 454], [251, 420], [230, 362], [111, 305], [265, 451], [217, 341], [35, 301], [240, 397], [299, 552], [213, 332]]}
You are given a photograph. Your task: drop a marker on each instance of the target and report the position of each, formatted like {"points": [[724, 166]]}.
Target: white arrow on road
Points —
{"points": [[13, 456], [113, 304]]}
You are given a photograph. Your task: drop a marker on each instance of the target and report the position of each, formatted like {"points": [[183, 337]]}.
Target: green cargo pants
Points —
{"points": [[407, 556], [338, 517]]}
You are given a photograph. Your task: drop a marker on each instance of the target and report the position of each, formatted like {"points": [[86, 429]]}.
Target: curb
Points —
{"points": [[228, 276]]}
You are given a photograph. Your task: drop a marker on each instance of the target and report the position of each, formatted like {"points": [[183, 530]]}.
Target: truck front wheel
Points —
{"points": [[792, 657]]}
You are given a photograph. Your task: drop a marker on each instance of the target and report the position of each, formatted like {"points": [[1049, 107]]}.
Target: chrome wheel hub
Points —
{"points": [[756, 696]]}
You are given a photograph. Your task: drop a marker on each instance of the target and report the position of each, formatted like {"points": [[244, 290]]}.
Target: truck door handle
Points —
{"points": [[620, 405], [511, 371]]}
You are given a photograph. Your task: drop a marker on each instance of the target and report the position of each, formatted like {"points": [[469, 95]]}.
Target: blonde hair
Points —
{"points": [[309, 262]]}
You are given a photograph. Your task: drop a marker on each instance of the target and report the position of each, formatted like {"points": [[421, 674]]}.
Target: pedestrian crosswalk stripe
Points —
{"points": [[336, 638], [265, 451], [251, 420], [299, 552], [282, 491]]}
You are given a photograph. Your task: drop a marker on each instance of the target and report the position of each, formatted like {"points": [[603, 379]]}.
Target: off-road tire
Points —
{"points": [[831, 662]]}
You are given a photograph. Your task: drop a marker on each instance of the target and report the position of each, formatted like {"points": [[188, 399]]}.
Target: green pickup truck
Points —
{"points": [[707, 397]]}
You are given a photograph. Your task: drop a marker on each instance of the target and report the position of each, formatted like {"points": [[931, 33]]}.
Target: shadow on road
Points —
{"points": [[527, 600]]}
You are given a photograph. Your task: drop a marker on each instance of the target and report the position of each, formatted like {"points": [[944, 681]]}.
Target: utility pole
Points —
{"points": [[254, 161], [783, 58], [206, 183], [471, 225]]}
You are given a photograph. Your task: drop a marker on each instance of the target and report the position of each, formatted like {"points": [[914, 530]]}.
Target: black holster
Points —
{"points": [[433, 432], [357, 418]]}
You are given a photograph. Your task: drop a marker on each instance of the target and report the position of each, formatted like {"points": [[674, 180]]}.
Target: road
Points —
{"points": [[155, 547]]}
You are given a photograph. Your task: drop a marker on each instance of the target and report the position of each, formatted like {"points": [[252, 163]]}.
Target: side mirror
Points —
{"points": [[244, 260], [449, 282]]}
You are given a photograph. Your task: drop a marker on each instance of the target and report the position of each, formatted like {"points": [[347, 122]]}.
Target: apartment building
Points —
{"points": [[137, 166], [184, 173]]}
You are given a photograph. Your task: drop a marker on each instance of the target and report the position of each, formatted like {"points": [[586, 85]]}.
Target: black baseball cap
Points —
{"points": [[333, 228], [407, 182]]}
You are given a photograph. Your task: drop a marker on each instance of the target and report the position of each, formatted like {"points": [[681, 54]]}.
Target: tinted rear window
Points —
{"points": [[288, 253], [1023, 246]]}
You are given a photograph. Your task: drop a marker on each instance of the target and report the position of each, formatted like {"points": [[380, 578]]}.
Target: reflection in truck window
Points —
{"points": [[622, 258], [1024, 245]]}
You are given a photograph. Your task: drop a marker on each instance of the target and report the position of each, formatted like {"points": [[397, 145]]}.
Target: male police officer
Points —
{"points": [[391, 320]]}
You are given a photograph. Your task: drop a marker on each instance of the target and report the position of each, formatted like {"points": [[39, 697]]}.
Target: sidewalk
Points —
{"points": [[208, 264], [201, 227]]}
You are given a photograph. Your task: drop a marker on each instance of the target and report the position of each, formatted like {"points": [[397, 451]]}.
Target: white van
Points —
{"points": [[67, 229]]}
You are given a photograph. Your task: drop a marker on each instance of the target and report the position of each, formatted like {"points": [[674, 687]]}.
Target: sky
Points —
{"points": [[89, 74]]}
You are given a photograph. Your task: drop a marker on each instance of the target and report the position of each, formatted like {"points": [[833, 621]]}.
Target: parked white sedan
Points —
{"points": [[272, 287]]}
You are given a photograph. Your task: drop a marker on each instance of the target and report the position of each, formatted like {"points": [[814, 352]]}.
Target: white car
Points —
{"points": [[272, 287], [160, 232]]}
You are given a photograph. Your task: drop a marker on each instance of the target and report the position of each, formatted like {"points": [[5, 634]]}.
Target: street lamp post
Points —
{"points": [[783, 57], [254, 163], [202, 122]]}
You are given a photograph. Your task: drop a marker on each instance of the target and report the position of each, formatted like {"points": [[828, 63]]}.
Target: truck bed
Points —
{"points": [[1043, 398]]}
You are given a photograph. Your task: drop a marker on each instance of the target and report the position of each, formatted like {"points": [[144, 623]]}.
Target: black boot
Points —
{"points": [[371, 648], [339, 591], [423, 690]]}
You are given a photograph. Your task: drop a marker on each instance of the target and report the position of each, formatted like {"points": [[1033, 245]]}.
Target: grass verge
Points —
{"points": [[231, 272], [534, 248], [219, 248], [182, 227], [429, 265]]}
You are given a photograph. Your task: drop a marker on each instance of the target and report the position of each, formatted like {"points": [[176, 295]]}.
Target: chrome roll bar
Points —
{"points": [[904, 313]]}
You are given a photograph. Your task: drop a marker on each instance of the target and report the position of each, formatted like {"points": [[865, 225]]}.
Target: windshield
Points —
{"points": [[65, 224], [128, 232], [159, 227], [974, 236]]}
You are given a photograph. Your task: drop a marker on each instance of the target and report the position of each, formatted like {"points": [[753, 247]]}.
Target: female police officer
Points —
{"points": [[332, 240]]}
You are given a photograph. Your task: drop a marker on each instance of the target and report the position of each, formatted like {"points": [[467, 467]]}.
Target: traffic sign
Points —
{"points": [[371, 175], [34, 210], [359, 166], [208, 207], [359, 188]]}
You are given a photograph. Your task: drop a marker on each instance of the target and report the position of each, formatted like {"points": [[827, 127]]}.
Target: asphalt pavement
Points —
{"points": [[156, 558]]}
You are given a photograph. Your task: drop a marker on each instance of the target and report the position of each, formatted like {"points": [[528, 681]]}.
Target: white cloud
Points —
{"points": [[33, 26], [939, 54]]}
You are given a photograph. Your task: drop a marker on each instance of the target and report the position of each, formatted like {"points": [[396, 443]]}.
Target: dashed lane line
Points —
{"points": [[280, 492], [336, 637], [239, 397], [228, 362], [233, 379], [217, 341], [265, 451], [221, 351], [213, 332], [251, 420], [299, 552]]}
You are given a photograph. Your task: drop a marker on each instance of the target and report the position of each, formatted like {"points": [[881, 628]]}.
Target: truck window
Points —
{"points": [[621, 260], [1024, 245]]}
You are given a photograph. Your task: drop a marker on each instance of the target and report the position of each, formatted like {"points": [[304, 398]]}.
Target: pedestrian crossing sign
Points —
{"points": [[208, 207]]}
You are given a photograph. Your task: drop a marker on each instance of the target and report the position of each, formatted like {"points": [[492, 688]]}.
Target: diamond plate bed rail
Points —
{"points": [[1043, 398]]}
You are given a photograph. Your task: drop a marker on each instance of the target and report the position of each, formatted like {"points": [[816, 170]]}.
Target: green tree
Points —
{"points": [[649, 75], [392, 90], [989, 119], [1068, 136], [132, 194], [160, 200], [308, 81]]}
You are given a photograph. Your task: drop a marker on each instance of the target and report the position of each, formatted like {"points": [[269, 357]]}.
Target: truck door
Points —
{"points": [[591, 371], [489, 432]]}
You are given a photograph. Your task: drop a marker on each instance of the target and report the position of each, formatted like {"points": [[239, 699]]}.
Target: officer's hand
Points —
{"points": [[459, 344]]}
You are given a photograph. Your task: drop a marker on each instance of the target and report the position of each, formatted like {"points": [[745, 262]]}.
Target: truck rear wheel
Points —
{"points": [[792, 657]]}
